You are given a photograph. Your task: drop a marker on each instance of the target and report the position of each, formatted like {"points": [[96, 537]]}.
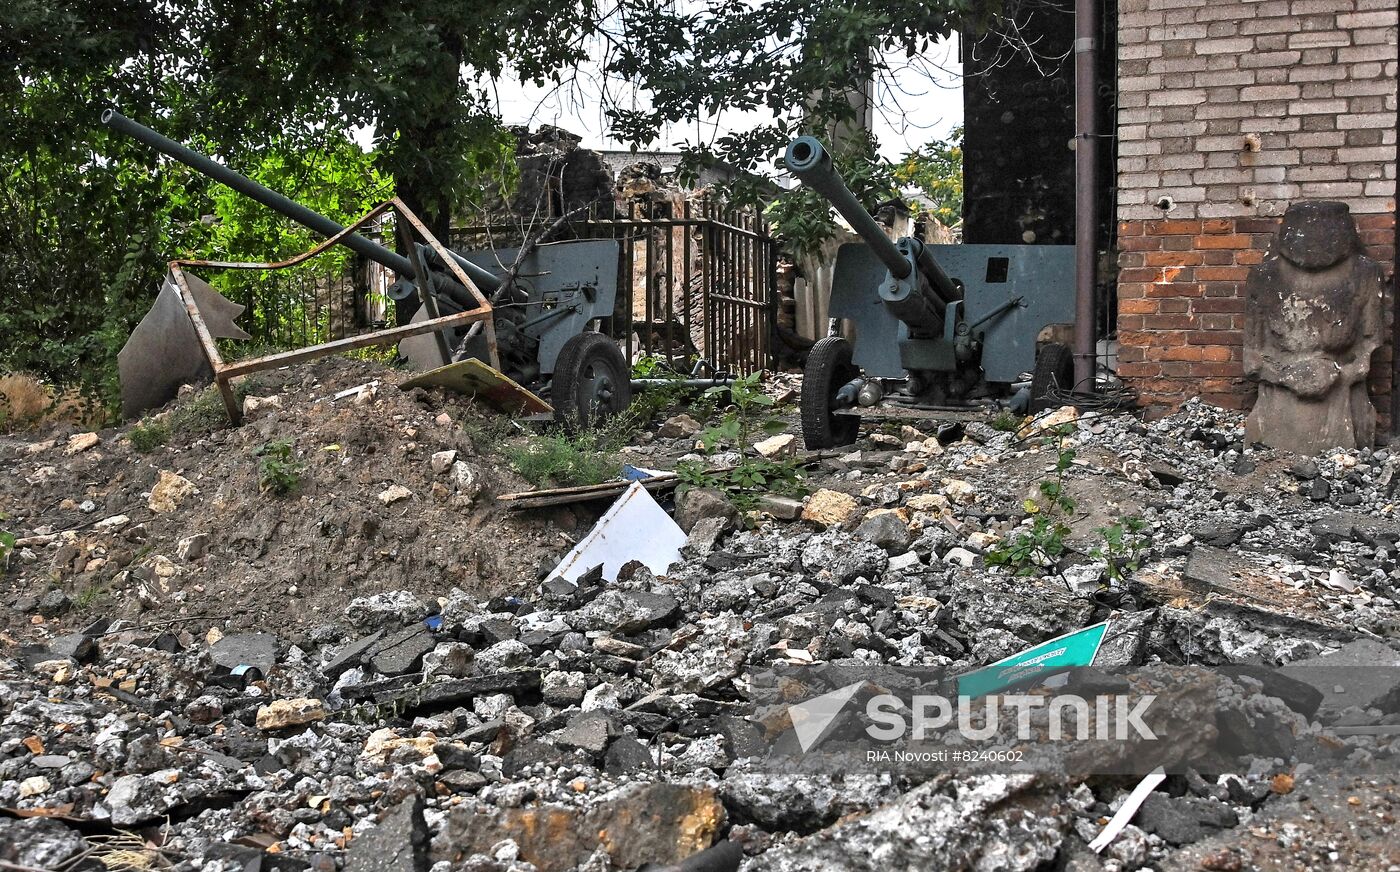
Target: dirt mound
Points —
{"points": [[185, 532]]}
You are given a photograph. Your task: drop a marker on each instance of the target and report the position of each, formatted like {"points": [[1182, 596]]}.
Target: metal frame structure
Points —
{"points": [[713, 263], [225, 372]]}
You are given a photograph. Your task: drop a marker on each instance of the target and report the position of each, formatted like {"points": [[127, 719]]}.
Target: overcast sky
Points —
{"points": [[922, 101]]}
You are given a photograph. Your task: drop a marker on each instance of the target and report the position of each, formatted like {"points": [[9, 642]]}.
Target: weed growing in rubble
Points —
{"points": [[1006, 422], [746, 418], [278, 472], [88, 595], [1124, 543], [1042, 544], [7, 547], [1031, 549], [560, 460], [148, 436]]}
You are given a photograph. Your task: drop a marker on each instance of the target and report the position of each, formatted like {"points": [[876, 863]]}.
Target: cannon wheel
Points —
{"points": [[592, 382], [828, 368], [1054, 371]]}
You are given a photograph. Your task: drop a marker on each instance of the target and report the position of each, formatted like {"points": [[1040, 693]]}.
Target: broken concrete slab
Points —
{"points": [[258, 650], [398, 843], [651, 823], [983, 822], [1362, 674], [351, 654], [402, 651]]}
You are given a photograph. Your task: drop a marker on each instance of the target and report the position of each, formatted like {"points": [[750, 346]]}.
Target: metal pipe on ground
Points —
{"points": [[1086, 219]]}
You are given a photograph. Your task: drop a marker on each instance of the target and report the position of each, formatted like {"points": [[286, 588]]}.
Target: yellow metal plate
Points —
{"points": [[474, 378]]}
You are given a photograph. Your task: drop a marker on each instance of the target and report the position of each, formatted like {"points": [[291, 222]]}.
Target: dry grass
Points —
{"points": [[27, 403]]}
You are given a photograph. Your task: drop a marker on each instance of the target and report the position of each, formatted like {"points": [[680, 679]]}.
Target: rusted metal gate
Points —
{"points": [[698, 279]]}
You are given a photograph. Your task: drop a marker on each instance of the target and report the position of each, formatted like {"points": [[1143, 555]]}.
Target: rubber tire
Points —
{"points": [[584, 357], [1054, 370], [828, 368]]}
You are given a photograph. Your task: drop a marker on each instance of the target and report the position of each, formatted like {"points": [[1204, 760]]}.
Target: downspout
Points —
{"points": [[1395, 304], [1086, 194]]}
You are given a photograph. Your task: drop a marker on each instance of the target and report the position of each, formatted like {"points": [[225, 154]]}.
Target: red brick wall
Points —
{"points": [[1228, 112], [1181, 307]]}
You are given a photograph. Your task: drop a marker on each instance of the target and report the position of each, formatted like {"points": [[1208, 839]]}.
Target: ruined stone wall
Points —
{"points": [[1234, 109]]}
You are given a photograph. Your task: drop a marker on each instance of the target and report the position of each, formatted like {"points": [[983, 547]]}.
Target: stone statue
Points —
{"points": [[1313, 317]]}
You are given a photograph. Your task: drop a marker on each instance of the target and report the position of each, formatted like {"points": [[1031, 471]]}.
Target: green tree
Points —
{"points": [[795, 62], [937, 171], [274, 89]]}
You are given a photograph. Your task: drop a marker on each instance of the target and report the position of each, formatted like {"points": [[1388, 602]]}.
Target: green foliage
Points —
{"points": [[746, 417], [937, 171], [148, 435], [205, 412], [1032, 549], [89, 595], [794, 64], [7, 547], [278, 471], [804, 220], [1124, 543], [88, 218], [557, 459], [646, 406], [1029, 550], [1006, 422]]}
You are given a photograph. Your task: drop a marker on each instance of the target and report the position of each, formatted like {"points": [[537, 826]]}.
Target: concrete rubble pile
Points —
{"points": [[608, 725]]}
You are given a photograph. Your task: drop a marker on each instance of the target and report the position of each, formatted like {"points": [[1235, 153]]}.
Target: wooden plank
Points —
{"points": [[564, 495], [475, 378]]}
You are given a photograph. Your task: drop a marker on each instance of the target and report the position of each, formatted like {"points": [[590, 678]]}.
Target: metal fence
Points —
{"points": [[696, 279], [311, 303]]}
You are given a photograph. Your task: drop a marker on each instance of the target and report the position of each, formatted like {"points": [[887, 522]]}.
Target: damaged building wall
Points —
{"points": [[1229, 112]]}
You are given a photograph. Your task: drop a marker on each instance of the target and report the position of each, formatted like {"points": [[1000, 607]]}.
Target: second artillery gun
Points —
{"points": [[931, 327], [539, 323]]}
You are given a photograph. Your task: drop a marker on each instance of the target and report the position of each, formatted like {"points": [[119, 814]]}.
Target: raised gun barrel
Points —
{"points": [[283, 205], [917, 296]]}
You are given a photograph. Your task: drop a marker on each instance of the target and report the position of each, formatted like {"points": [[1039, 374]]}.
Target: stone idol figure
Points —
{"points": [[1312, 319]]}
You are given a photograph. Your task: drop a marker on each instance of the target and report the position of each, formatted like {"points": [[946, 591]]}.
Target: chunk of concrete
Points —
{"points": [[1364, 674]]}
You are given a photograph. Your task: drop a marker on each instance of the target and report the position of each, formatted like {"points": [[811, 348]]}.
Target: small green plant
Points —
{"points": [[746, 418], [1006, 422], [1028, 550], [148, 435], [1124, 543], [278, 472], [205, 412], [7, 547], [558, 460], [88, 595]]}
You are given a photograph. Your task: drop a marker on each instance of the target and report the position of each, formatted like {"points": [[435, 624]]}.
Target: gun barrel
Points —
{"points": [[808, 159], [278, 203]]}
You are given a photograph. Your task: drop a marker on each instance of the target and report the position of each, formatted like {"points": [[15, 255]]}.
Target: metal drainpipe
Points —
{"points": [[1395, 304], [1086, 219]]}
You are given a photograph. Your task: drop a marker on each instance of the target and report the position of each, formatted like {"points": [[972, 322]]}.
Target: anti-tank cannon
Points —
{"points": [[930, 327], [538, 332]]}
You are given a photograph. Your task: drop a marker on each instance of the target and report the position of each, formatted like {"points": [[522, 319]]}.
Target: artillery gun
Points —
{"points": [[932, 327], [536, 328]]}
